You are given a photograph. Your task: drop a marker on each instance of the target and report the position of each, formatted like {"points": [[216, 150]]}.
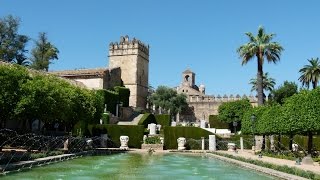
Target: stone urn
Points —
{"points": [[181, 142], [124, 142]]}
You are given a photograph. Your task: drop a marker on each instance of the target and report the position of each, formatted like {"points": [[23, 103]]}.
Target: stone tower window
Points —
{"points": [[187, 78]]}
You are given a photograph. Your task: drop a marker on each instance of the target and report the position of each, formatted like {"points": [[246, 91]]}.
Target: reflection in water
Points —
{"points": [[139, 166]]}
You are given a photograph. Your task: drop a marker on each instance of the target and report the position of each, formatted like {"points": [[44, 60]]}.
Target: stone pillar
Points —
{"points": [[272, 147], [178, 117], [202, 144], [241, 143], [212, 143], [202, 124], [152, 128]]}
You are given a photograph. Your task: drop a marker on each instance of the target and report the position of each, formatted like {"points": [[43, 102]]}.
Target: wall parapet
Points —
{"points": [[126, 46], [219, 98]]}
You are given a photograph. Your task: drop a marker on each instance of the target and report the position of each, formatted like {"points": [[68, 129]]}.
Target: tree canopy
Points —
{"points": [[168, 99], [284, 91], [262, 47], [43, 53], [233, 111], [310, 73], [12, 44]]}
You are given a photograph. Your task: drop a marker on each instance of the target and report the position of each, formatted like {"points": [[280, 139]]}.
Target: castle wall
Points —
{"points": [[93, 83]]}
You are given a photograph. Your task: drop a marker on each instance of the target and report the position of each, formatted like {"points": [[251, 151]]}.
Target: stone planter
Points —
{"points": [[231, 146], [124, 142], [153, 146], [181, 142]]}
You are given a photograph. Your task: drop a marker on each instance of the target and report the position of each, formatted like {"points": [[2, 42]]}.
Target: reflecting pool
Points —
{"points": [[139, 166]]}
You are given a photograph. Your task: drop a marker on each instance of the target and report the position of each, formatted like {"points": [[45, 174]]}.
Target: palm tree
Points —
{"points": [[43, 53], [260, 46], [310, 73], [268, 83]]}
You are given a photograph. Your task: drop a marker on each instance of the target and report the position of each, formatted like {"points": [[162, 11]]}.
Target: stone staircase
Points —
{"points": [[135, 121]]}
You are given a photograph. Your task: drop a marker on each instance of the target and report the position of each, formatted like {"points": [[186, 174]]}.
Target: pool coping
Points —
{"points": [[21, 165], [257, 168]]}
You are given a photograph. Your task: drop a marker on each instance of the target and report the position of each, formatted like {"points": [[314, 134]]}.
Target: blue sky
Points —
{"points": [[200, 35]]}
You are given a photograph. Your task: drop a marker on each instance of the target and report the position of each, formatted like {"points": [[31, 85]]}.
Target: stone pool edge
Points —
{"points": [[257, 168], [22, 165]]}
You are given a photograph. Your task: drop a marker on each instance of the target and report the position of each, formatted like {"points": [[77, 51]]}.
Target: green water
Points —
{"points": [[137, 166]]}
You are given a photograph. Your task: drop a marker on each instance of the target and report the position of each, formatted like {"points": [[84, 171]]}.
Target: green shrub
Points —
{"points": [[114, 132], [163, 119], [171, 134], [146, 119], [124, 94], [216, 123], [193, 144], [153, 140]]}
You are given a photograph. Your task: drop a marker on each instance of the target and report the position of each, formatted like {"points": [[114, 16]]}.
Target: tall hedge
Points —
{"points": [[163, 119], [146, 119], [114, 132], [171, 134], [233, 111], [216, 123], [12, 77], [124, 94]]}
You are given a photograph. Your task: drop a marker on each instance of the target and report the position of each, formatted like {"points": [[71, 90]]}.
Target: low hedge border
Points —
{"points": [[114, 132], [285, 169], [171, 134]]}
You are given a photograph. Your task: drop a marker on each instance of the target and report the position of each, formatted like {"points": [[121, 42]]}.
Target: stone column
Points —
{"points": [[152, 129], [241, 143], [202, 144], [272, 147], [202, 124], [212, 143]]}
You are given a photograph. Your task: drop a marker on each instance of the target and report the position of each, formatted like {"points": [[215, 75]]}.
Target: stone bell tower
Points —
{"points": [[132, 56], [188, 78]]}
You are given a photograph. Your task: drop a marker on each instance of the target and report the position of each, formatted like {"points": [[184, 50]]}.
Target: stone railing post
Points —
{"points": [[212, 143]]}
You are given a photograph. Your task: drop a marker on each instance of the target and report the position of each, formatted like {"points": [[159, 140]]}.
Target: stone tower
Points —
{"points": [[132, 56], [188, 78]]}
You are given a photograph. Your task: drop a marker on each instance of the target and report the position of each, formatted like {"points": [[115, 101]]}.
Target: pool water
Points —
{"points": [[139, 166]]}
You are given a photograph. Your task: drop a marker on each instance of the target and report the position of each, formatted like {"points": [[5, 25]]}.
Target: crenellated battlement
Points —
{"points": [[219, 98], [126, 47]]}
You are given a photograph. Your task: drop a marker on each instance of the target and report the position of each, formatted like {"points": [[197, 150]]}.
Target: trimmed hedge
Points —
{"points": [[163, 119], [146, 119], [216, 123], [171, 134], [124, 94], [114, 132]]}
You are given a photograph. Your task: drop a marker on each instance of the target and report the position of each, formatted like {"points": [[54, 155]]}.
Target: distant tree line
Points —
{"points": [[13, 46]]}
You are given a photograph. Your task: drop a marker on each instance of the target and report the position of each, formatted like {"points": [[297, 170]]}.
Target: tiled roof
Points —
{"points": [[81, 72]]}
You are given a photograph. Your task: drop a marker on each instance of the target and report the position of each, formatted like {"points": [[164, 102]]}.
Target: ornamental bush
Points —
{"points": [[163, 119], [231, 111], [216, 123], [146, 119]]}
